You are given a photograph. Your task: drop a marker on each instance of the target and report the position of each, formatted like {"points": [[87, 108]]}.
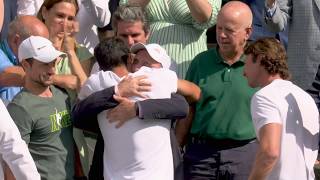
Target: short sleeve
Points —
{"points": [[22, 119], [4, 61], [88, 87], [215, 5], [264, 111]]}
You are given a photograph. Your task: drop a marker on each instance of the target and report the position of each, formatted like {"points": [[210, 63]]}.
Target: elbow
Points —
{"points": [[203, 19], [271, 156]]}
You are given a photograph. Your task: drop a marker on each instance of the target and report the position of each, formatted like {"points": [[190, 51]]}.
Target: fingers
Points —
{"points": [[119, 124]]}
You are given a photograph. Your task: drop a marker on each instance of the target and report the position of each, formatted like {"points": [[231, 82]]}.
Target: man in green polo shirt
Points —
{"points": [[221, 143]]}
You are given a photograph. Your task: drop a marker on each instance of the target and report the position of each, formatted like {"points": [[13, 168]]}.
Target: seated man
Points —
{"points": [[140, 160]]}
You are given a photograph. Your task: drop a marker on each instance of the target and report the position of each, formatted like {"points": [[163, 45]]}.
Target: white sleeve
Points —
{"points": [[14, 150], [264, 111], [90, 86], [99, 10], [28, 7]]}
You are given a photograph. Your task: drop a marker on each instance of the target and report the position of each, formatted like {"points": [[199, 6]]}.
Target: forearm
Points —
{"points": [[268, 152], [189, 90], [200, 10], [183, 127], [66, 81], [262, 166], [142, 3], [174, 108], [12, 76], [84, 113], [76, 68]]}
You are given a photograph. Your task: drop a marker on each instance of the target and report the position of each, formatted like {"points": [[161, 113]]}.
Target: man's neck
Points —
{"points": [[269, 79], [120, 71], [38, 90], [231, 57]]}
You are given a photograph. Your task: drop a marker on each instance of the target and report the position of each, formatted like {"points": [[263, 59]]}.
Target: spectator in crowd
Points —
{"points": [[14, 151], [301, 18], [221, 141], [107, 31], [180, 27], [129, 24], [259, 29], [12, 75], [60, 18], [285, 117], [92, 14], [41, 111]]}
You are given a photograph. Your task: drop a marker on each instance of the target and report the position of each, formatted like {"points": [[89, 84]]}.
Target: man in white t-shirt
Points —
{"points": [[139, 149], [285, 117]]}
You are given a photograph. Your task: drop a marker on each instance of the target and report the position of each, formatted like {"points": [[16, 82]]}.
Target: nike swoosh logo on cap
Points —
{"points": [[41, 47]]}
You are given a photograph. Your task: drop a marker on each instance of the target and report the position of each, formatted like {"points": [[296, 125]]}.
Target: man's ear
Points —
{"points": [[25, 65], [248, 32], [44, 13]]}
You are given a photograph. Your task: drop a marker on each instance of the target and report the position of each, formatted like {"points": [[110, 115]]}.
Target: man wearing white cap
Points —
{"points": [[138, 149], [41, 111]]}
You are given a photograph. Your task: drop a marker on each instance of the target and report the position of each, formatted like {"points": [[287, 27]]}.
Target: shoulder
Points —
{"points": [[98, 81]]}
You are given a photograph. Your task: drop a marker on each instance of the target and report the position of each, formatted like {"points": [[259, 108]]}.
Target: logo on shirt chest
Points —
{"points": [[60, 120]]}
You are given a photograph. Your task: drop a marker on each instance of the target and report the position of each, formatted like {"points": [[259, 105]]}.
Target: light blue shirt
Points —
{"points": [[7, 59]]}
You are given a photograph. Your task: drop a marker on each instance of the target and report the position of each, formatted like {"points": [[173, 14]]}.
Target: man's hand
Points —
{"points": [[270, 3], [133, 86], [69, 36], [123, 112]]}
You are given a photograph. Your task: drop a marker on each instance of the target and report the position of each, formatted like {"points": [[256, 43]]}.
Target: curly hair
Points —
{"points": [[272, 56]]}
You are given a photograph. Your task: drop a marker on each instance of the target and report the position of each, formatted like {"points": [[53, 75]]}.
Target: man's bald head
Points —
{"points": [[26, 26], [23, 27], [237, 11], [233, 28]]}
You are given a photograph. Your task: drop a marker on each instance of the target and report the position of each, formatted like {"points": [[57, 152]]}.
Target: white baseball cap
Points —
{"points": [[155, 51], [38, 48]]}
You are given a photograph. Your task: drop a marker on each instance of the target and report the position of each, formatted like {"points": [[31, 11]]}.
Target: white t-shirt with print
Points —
{"points": [[140, 149], [285, 103]]}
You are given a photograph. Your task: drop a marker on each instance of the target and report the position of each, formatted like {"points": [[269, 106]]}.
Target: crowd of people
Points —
{"points": [[138, 77]]}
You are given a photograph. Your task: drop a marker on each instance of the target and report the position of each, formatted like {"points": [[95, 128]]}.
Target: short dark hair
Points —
{"points": [[273, 56], [129, 13], [110, 53]]}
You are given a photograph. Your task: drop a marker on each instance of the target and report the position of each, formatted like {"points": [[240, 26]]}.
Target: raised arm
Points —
{"points": [[12, 76], [200, 10]]}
